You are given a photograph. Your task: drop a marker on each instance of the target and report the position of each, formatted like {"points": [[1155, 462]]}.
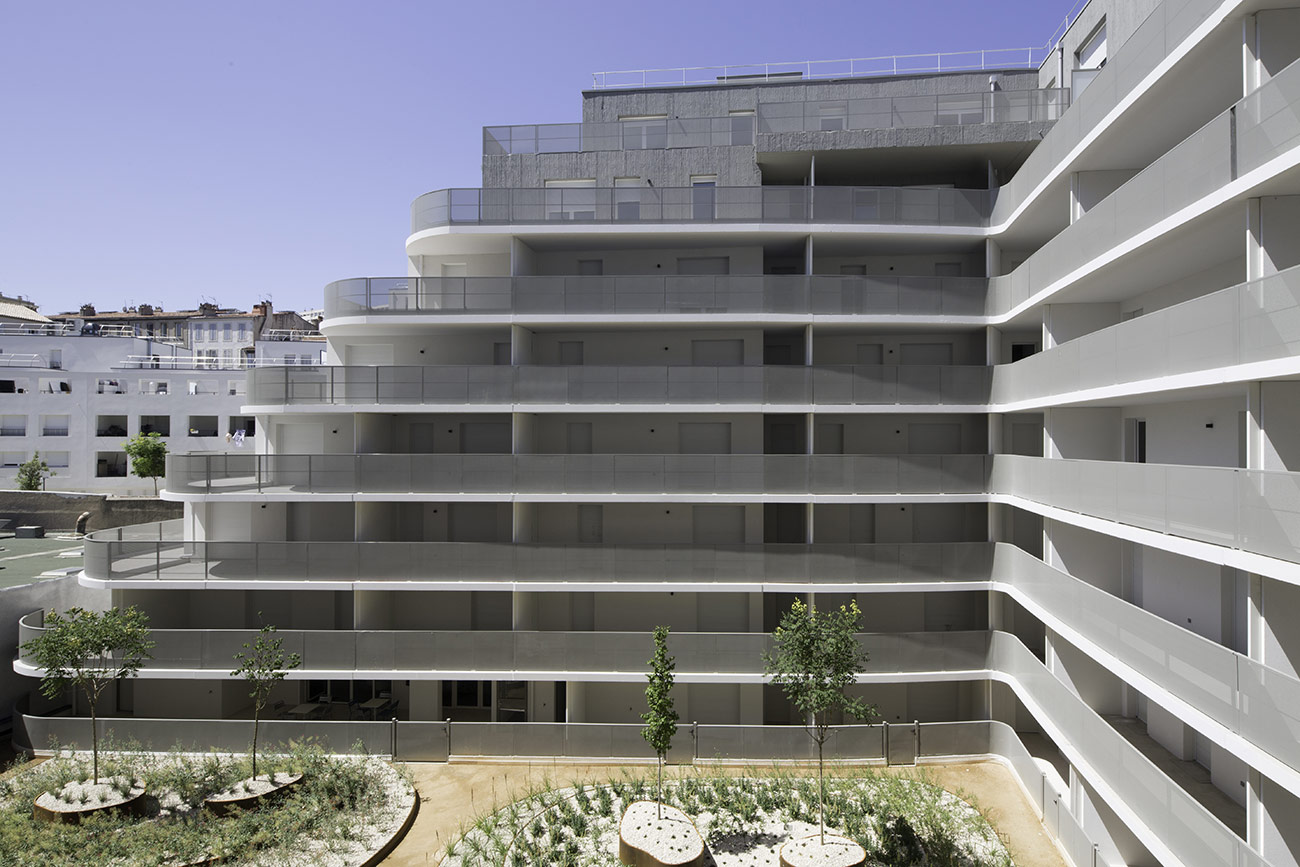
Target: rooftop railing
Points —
{"points": [[937, 206], [732, 294], [623, 474], [810, 115], [553, 385], [746, 74]]}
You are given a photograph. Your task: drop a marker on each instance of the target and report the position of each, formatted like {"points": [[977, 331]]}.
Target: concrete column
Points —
{"points": [[575, 701], [521, 345], [1254, 240], [808, 256], [523, 613], [992, 258], [1250, 71], [1254, 807], [1076, 208]]}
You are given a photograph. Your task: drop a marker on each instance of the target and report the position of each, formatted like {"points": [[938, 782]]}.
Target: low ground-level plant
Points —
{"points": [[897, 819], [338, 799]]}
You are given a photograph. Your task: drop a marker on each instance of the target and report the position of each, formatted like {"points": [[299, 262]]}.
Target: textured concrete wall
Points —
{"points": [[55, 510], [1123, 18], [717, 101], [915, 137]]}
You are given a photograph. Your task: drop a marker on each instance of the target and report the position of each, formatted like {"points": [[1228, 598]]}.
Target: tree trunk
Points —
{"points": [[821, 791], [257, 713], [659, 786], [154, 479], [94, 740]]}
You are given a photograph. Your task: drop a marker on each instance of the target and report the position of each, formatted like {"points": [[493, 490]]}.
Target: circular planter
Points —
{"points": [[812, 852], [260, 791], [646, 840], [51, 808]]}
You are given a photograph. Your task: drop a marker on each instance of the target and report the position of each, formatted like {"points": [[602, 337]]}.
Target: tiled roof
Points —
{"points": [[14, 310]]}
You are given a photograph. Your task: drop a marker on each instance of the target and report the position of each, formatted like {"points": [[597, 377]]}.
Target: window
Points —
{"points": [[227, 358], [570, 199], [235, 387], [153, 386], [212, 332], [159, 424], [246, 423], [703, 196], [227, 331], [742, 127], [627, 198], [13, 425], [243, 332], [12, 459], [203, 426], [110, 386], [1092, 54], [54, 425], [644, 132], [110, 465], [56, 459], [305, 358], [110, 426], [832, 116], [198, 333]]}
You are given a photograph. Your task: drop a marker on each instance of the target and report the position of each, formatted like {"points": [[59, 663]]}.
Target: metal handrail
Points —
{"points": [[854, 67]]}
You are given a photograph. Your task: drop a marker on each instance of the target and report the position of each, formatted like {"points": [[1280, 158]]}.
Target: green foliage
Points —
{"points": [[148, 454], [331, 804], [815, 656], [32, 473], [89, 650], [660, 717], [263, 664]]}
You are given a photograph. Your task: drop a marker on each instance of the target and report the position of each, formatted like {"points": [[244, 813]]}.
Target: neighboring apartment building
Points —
{"points": [[1017, 371], [75, 387]]}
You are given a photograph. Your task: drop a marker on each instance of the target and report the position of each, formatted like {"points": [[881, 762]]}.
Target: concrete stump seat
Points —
{"points": [[646, 840], [811, 852], [258, 792]]}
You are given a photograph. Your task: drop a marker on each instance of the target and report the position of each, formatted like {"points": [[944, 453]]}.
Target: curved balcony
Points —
{"points": [[638, 385], [736, 294], [883, 206], [529, 655], [145, 555], [547, 475]]}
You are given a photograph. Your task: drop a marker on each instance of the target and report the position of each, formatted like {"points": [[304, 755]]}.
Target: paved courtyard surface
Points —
{"points": [[455, 794]]}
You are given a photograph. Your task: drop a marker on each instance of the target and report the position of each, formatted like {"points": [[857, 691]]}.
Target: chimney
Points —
{"points": [[207, 308], [87, 309], [145, 309]]}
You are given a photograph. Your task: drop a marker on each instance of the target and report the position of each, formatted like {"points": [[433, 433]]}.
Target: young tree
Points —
{"points": [[263, 666], [148, 454], [660, 718], [814, 656], [31, 474], [89, 650]]}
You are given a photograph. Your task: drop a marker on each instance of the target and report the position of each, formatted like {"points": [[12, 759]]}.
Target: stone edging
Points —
{"points": [[387, 849], [222, 806]]}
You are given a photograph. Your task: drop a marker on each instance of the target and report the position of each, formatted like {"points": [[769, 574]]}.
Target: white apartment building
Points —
{"points": [[75, 391], [1013, 364]]}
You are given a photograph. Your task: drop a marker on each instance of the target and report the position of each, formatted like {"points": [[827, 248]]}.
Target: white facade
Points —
{"points": [[1032, 403], [77, 397]]}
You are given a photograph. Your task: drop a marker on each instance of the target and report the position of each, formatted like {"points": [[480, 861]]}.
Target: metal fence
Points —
{"points": [[936, 206], [566, 474], [737, 293], [503, 385]]}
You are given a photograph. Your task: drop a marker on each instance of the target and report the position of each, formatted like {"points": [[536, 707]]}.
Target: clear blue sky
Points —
{"points": [[170, 150]]}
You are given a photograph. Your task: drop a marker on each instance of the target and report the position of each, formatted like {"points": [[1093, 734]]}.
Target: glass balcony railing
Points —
{"points": [[1244, 324], [1257, 511], [733, 294], [885, 112], [910, 206], [158, 552], [521, 653], [554, 385], [623, 474]]}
